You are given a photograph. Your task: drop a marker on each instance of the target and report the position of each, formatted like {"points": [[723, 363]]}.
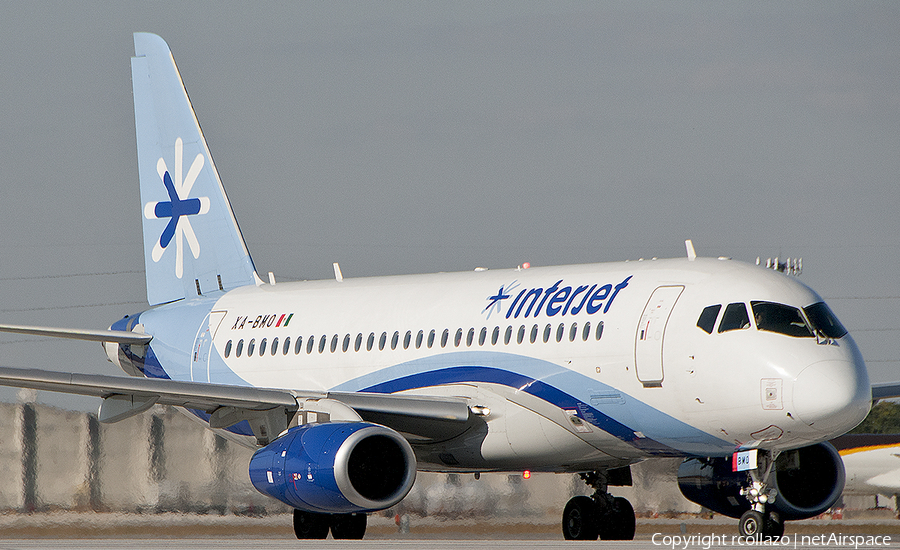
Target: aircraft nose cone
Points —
{"points": [[832, 396]]}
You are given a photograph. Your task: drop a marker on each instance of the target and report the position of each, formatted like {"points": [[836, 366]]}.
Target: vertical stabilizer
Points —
{"points": [[192, 242]]}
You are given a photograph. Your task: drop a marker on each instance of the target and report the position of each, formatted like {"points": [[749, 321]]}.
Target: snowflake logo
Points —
{"points": [[177, 209]]}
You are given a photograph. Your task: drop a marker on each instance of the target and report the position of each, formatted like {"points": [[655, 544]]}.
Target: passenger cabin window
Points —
{"points": [[824, 321], [780, 318], [734, 318], [228, 348], [708, 318]]}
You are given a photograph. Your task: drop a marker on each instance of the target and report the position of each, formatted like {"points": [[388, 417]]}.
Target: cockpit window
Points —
{"points": [[734, 318], [708, 318], [780, 318], [824, 321]]}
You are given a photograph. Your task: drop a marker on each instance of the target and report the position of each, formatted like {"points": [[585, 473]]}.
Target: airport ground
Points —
{"points": [[171, 526]]}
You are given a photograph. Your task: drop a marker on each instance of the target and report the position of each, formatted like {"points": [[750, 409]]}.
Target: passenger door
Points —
{"points": [[650, 335]]}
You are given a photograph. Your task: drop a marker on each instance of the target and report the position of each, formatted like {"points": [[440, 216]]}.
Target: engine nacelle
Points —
{"points": [[336, 468], [809, 480]]}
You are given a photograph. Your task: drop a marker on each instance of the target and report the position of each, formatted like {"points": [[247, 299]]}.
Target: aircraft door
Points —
{"points": [[648, 345], [202, 345]]}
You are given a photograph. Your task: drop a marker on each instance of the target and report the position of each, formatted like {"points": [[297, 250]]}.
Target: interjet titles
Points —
{"points": [[557, 299]]}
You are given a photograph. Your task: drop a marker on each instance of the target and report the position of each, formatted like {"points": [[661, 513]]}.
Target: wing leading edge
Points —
{"points": [[269, 411], [117, 336]]}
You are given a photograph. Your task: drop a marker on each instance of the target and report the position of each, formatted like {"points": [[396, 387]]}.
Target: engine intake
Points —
{"points": [[336, 468], [809, 481]]}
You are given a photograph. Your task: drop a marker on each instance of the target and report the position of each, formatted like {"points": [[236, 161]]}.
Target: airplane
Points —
{"points": [[347, 387], [871, 463]]}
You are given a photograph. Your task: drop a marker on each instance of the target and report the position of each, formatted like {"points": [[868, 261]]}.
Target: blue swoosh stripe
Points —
{"points": [[537, 388]]}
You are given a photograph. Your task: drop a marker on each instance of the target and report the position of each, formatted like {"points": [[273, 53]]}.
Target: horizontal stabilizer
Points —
{"points": [[117, 336]]}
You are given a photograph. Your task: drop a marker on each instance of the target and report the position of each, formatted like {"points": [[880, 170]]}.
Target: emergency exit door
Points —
{"points": [[650, 336]]}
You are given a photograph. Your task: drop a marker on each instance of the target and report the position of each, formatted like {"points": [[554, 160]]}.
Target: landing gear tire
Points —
{"points": [[618, 523], [774, 527], [348, 526], [758, 525], [751, 524], [580, 519], [310, 525]]}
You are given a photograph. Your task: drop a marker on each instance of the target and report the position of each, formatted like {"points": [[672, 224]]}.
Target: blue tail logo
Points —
{"points": [[178, 208]]}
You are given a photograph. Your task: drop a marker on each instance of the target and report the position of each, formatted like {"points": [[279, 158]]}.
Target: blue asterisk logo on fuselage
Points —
{"points": [[495, 301]]}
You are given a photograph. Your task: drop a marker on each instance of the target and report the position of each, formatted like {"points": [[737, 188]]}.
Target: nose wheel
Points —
{"points": [[761, 524]]}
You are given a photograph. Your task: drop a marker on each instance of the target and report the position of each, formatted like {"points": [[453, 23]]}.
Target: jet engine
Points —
{"points": [[808, 481], [336, 468]]}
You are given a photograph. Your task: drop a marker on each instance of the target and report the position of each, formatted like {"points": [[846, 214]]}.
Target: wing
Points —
{"points": [[885, 391], [269, 411], [117, 336]]}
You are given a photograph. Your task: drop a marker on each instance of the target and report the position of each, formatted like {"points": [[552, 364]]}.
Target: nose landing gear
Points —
{"points": [[599, 515], [757, 522]]}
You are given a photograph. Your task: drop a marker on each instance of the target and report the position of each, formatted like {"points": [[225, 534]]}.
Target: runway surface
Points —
{"points": [[270, 544], [79, 531]]}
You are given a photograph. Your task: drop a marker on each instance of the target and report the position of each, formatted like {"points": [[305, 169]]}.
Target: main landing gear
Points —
{"points": [[599, 515], [757, 522], [310, 525]]}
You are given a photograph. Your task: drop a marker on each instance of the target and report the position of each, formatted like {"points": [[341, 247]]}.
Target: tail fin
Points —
{"points": [[184, 203]]}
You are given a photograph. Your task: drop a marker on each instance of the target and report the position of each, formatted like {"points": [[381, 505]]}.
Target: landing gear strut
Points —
{"points": [[758, 521], [310, 525], [599, 515]]}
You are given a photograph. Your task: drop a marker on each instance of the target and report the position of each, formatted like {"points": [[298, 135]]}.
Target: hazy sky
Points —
{"points": [[418, 137]]}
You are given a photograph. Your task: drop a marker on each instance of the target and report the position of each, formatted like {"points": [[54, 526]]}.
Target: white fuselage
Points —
{"points": [[524, 344]]}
